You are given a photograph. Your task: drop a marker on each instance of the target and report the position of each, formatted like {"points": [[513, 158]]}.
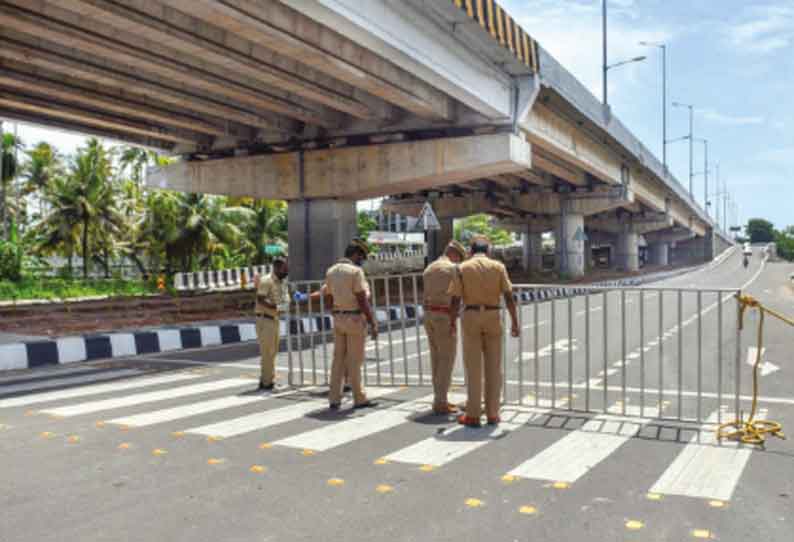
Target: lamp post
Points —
{"points": [[604, 66], [663, 47], [691, 128], [706, 202]]}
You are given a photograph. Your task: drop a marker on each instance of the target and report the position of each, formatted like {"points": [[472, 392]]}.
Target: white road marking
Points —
{"points": [[331, 436], [706, 468], [69, 380], [573, 456], [194, 409], [562, 346], [458, 441], [148, 397], [94, 390], [767, 367], [270, 418]]}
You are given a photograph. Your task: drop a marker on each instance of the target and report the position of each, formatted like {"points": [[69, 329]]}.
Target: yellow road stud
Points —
{"points": [[73, 439], [427, 468], [381, 461], [47, 434], [336, 482], [100, 424], [474, 503], [258, 469], [383, 488], [212, 438], [124, 446], [509, 478], [159, 451], [718, 504], [560, 485], [528, 510], [634, 525], [653, 497], [307, 452], [701, 533], [265, 446], [178, 434], [215, 461]]}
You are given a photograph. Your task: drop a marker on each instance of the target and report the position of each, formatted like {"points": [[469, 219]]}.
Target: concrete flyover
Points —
{"points": [[324, 102]]}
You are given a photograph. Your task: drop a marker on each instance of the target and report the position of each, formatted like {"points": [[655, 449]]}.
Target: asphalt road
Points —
{"points": [[177, 447]]}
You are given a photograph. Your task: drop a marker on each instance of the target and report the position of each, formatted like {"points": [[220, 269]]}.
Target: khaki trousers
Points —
{"points": [[443, 350], [267, 332], [482, 355], [350, 333]]}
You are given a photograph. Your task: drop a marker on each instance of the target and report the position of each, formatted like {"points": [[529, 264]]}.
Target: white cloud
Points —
{"points": [[733, 120], [770, 28], [782, 156]]}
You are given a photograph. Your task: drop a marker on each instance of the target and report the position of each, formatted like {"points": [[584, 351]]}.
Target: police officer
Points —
{"points": [[479, 284], [443, 344], [272, 293], [346, 286]]}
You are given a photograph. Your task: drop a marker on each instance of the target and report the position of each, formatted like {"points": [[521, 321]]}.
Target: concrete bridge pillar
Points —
{"points": [[659, 253], [532, 253], [438, 240], [627, 252], [569, 241], [319, 230]]}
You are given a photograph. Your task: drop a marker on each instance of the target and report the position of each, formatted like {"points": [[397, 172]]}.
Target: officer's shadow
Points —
{"points": [[449, 430]]}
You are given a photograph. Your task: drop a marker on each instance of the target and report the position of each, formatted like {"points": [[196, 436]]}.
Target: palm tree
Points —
{"points": [[10, 168], [191, 228], [83, 204], [268, 226], [134, 160]]}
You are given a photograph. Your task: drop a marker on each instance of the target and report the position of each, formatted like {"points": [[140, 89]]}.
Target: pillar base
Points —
{"points": [[627, 254], [319, 231], [570, 245], [659, 253], [532, 252]]}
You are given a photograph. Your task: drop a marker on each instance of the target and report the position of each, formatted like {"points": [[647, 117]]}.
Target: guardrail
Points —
{"points": [[223, 279]]}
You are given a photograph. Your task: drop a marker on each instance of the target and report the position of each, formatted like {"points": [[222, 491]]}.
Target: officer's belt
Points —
{"points": [[437, 308], [355, 311], [481, 308], [263, 315]]}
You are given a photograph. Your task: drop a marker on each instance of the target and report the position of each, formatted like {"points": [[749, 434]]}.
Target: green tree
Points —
{"points": [[760, 230], [10, 168], [133, 161], [481, 224], [43, 163], [267, 226], [785, 243], [187, 230], [83, 205]]}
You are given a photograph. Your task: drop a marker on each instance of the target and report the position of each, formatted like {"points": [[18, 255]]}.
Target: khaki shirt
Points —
{"points": [[481, 281], [436, 280], [343, 281], [272, 291]]}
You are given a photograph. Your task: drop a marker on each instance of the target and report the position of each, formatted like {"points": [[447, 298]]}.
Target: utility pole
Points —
{"points": [[604, 47]]}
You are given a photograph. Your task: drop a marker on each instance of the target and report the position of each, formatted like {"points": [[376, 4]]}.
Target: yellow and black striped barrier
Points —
{"points": [[503, 28]]}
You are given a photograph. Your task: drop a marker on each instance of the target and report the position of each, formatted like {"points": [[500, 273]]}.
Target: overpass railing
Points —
{"points": [[648, 352]]}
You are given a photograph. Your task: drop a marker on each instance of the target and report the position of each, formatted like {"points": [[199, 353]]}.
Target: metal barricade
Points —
{"points": [[668, 353], [635, 351], [396, 359]]}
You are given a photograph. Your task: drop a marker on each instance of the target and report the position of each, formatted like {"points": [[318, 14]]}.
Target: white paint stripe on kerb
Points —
{"points": [[58, 382], [210, 335], [247, 332], [71, 349], [573, 456], [458, 441], [122, 344], [112, 387], [192, 409], [148, 397], [706, 468], [169, 339], [13, 356], [270, 418], [326, 438]]}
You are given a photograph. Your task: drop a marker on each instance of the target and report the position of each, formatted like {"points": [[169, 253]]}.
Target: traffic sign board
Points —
{"points": [[428, 220], [580, 235]]}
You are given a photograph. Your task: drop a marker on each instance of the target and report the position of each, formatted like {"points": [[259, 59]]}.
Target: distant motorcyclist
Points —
{"points": [[746, 261]]}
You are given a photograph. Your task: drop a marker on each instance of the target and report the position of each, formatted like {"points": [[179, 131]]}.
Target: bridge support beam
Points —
{"points": [[659, 253], [532, 251], [627, 251], [570, 245], [318, 231]]}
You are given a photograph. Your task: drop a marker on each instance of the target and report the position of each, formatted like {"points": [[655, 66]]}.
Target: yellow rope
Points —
{"points": [[752, 431]]}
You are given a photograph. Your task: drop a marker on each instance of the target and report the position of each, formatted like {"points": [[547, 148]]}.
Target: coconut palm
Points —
{"points": [[10, 168], [268, 226]]}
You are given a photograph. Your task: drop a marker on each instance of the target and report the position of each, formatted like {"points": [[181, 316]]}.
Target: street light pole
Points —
{"points": [[663, 47], [705, 172], [691, 130], [604, 49]]}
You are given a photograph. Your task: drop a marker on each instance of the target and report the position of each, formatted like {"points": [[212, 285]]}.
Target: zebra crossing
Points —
{"points": [[701, 468]]}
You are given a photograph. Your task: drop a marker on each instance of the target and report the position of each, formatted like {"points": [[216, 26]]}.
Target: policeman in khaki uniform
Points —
{"points": [[480, 283], [443, 344], [272, 294], [347, 291]]}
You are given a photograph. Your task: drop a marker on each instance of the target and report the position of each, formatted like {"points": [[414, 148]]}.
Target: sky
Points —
{"points": [[732, 59]]}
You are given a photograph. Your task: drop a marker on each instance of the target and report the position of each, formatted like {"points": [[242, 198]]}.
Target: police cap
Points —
{"points": [[457, 247]]}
